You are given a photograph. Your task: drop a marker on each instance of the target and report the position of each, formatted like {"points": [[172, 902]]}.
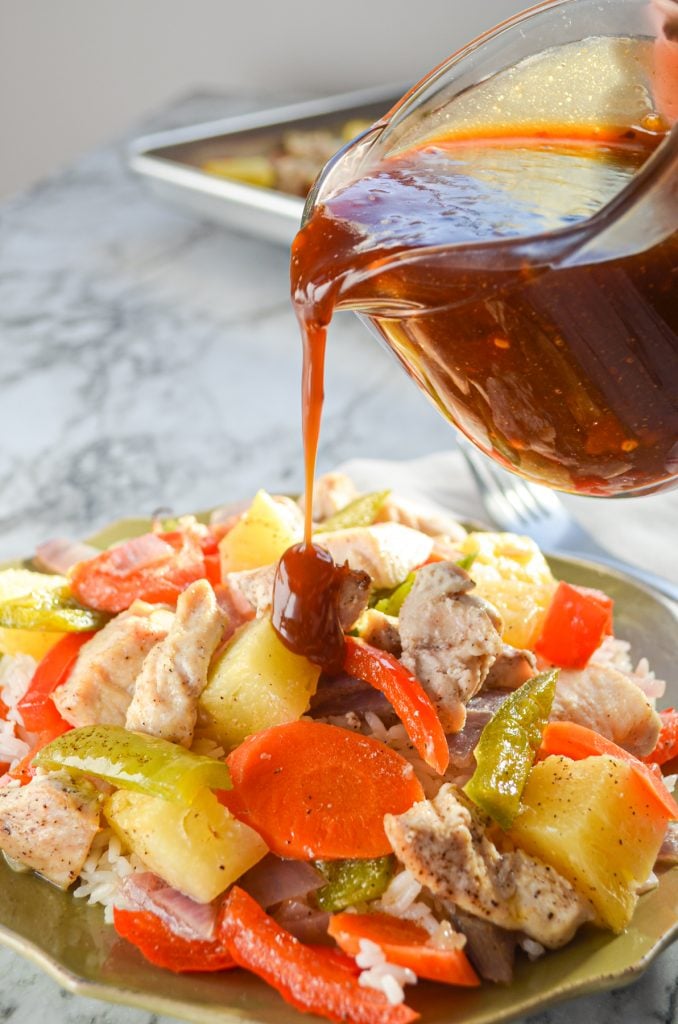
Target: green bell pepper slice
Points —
{"points": [[393, 602], [132, 760], [361, 512], [352, 881], [507, 747], [52, 610]]}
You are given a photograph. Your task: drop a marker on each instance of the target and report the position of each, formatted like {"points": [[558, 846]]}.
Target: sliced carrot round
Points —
{"points": [[317, 791], [404, 943]]}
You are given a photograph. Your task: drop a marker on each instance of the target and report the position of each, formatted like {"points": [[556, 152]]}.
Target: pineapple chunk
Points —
{"points": [[19, 583], [590, 821], [261, 535], [511, 572], [199, 850], [257, 682]]}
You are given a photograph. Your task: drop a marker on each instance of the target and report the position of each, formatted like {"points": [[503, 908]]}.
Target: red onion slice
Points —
{"points": [[60, 554], [306, 923], [186, 917], [274, 880], [138, 553]]}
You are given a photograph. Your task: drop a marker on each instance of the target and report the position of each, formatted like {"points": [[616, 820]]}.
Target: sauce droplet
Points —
{"points": [[306, 595]]}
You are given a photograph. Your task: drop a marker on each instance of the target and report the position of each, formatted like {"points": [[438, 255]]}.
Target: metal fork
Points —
{"points": [[515, 505]]}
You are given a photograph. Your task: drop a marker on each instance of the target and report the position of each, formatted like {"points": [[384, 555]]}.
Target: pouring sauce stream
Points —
{"points": [[569, 376]]}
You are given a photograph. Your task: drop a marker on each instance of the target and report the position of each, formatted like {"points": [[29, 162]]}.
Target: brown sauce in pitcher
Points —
{"points": [[568, 376]]}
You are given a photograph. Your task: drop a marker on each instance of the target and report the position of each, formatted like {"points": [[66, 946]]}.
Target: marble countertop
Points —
{"points": [[150, 360]]}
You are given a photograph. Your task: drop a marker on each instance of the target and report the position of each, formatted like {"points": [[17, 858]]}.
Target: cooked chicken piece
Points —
{"points": [[331, 493], [354, 593], [234, 606], [616, 652], [387, 552], [99, 689], [380, 630], [49, 826], [174, 674], [256, 585], [450, 639], [420, 516], [446, 849], [512, 668], [605, 700]]}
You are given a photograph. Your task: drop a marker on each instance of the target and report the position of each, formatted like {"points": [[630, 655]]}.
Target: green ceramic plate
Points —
{"points": [[70, 941]]}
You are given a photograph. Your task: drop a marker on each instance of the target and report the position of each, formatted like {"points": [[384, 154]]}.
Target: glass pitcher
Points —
{"points": [[552, 346]]}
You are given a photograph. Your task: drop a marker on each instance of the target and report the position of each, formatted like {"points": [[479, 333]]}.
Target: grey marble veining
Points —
{"points": [[150, 360]]}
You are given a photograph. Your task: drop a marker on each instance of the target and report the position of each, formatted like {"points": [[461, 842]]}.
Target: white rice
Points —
{"points": [[16, 672], [12, 749], [104, 871], [651, 882], [379, 974], [402, 892], [533, 949], [670, 782], [401, 899]]}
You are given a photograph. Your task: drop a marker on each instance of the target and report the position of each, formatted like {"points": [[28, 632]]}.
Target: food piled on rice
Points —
{"points": [[479, 781]]}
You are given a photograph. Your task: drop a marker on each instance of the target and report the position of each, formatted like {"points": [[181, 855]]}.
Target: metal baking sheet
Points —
{"points": [[170, 162]]}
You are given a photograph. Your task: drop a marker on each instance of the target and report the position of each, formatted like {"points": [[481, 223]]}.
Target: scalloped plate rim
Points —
{"points": [[195, 1014]]}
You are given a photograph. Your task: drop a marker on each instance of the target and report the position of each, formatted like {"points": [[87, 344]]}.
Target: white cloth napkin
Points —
{"points": [[643, 531]]}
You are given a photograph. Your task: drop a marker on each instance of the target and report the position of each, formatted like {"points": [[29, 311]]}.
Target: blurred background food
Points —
{"points": [[294, 164], [74, 74]]}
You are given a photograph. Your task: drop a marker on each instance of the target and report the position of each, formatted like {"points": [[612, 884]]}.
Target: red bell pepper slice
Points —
{"points": [[210, 551], [335, 956], [666, 748], [36, 706], [577, 620], [37, 709], [577, 742], [309, 982], [164, 948], [156, 567], [406, 694]]}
